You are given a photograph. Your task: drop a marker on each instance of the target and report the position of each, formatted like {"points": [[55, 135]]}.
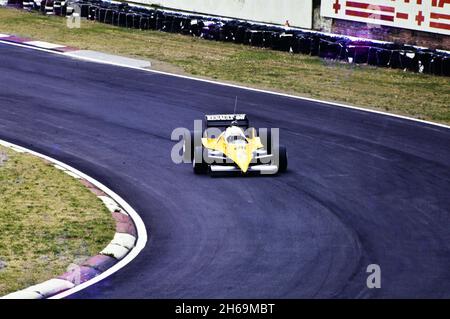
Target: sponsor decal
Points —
{"points": [[225, 117]]}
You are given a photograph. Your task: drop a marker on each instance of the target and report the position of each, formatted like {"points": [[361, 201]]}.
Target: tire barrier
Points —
{"points": [[334, 47], [28, 4], [47, 7]]}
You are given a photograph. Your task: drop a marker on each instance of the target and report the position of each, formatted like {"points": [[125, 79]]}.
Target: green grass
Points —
{"points": [[48, 220], [417, 95]]}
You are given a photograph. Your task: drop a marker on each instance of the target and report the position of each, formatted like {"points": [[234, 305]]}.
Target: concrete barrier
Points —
{"points": [[298, 13]]}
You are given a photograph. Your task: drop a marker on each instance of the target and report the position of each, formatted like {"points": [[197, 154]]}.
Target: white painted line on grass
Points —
{"points": [[18, 149], [72, 174], [44, 45], [99, 56]]}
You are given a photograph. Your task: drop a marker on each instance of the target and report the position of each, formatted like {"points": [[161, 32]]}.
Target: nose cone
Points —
{"points": [[242, 156]]}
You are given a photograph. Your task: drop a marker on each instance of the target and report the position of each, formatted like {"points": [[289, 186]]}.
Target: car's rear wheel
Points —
{"points": [[198, 162]]}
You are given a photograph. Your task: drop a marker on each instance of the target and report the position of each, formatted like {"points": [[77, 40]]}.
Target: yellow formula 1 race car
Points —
{"points": [[230, 145]]}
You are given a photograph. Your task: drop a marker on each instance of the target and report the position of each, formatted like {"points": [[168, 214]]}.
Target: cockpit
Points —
{"points": [[235, 135]]}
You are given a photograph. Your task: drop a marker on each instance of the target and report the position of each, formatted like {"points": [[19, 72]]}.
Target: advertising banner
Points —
{"points": [[422, 15]]}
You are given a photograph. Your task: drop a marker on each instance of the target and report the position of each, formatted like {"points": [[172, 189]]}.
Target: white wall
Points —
{"points": [[298, 12]]}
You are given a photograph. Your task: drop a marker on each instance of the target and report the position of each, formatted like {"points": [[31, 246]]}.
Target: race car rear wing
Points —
{"points": [[225, 120]]}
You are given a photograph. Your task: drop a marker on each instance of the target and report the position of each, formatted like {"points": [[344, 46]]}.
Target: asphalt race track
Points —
{"points": [[361, 188]]}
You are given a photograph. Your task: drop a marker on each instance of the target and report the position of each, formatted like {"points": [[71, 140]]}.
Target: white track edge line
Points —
{"points": [[140, 226], [68, 54]]}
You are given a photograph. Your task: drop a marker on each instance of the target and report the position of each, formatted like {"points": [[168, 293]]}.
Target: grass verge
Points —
{"points": [[48, 220], [418, 95]]}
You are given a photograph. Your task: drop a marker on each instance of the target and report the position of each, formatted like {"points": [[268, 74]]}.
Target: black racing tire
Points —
{"points": [[282, 158], [199, 164]]}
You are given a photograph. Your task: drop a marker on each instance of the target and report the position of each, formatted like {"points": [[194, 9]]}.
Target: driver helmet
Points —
{"points": [[234, 134]]}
